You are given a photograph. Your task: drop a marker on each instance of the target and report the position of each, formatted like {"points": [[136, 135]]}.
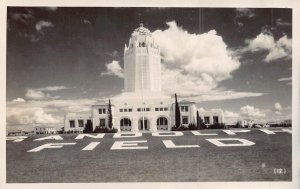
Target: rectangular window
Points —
{"points": [[125, 110], [161, 109], [156, 109], [185, 120], [182, 108], [206, 120], [104, 111], [186, 108], [147, 109], [121, 110], [80, 123], [216, 119], [129, 110], [139, 109], [165, 109], [100, 111], [102, 122], [72, 124]]}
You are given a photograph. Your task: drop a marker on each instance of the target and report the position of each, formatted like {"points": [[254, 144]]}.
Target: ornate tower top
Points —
{"points": [[141, 31]]}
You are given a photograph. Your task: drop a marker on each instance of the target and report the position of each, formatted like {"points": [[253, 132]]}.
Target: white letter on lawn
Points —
{"points": [[272, 132], [217, 142], [170, 144], [50, 145], [91, 146], [129, 145], [81, 136], [127, 135], [167, 133], [52, 137], [232, 132], [197, 133], [16, 138]]}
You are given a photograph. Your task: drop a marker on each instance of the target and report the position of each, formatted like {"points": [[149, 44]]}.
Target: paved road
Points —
{"points": [[269, 159]]}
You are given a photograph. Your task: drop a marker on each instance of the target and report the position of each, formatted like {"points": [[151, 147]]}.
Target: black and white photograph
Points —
{"points": [[125, 94]]}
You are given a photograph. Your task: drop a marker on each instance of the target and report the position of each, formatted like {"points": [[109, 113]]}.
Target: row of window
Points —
{"points": [[207, 120], [102, 110], [72, 123], [160, 121], [161, 109], [126, 110], [184, 108]]}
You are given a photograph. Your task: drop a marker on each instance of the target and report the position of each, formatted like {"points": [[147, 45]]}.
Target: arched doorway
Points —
{"points": [[162, 123], [144, 126], [125, 124]]}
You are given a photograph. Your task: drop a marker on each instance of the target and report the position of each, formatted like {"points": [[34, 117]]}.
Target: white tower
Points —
{"points": [[142, 63]]}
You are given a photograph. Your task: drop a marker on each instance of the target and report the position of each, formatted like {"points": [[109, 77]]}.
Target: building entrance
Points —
{"points": [[144, 126]]}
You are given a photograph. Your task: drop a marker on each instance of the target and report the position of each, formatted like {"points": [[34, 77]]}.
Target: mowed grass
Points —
{"points": [[156, 164]]}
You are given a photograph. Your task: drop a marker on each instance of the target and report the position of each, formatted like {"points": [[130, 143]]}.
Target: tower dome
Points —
{"points": [[141, 31]]}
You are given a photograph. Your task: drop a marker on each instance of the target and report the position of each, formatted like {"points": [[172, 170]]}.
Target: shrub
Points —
{"points": [[101, 129], [180, 128], [217, 126], [192, 126]]}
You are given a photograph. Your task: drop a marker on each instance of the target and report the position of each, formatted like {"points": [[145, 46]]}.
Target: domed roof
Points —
{"points": [[141, 31]]}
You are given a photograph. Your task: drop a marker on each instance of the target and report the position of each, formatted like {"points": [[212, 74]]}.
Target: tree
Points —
{"points": [[110, 124], [198, 120], [177, 113]]}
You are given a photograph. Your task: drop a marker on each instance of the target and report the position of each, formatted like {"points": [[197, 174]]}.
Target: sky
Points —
{"points": [[63, 59]]}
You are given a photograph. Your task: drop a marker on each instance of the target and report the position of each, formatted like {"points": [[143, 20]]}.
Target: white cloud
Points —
{"points": [[244, 12], [53, 88], [194, 64], [114, 68], [18, 100], [24, 17], [250, 111], [229, 114], [280, 22], [282, 48], [43, 24], [285, 79], [36, 94], [39, 93], [30, 115], [277, 106], [45, 112]]}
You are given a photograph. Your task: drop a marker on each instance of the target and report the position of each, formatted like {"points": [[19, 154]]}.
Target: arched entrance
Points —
{"points": [[144, 126], [125, 124], [162, 123]]}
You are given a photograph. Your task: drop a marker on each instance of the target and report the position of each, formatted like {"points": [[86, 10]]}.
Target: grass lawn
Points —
{"points": [[155, 164]]}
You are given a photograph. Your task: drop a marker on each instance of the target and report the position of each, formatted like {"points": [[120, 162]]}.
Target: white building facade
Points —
{"points": [[142, 106]]}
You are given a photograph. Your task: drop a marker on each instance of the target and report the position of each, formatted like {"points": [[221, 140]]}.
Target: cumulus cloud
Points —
{"points": [[282, 48], [43, 24], [277, 106], [280, 22], [250, 111], [229, 114], [30, 115], [114, 68], [45, 112], [193, 63], [18, 100], [24, 17], [40, 93]]}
